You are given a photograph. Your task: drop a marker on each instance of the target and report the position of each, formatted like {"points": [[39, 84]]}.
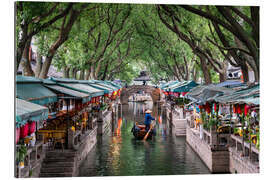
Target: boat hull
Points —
{"points": [[139, 132]]}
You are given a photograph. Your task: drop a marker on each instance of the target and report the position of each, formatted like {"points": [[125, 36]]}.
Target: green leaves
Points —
{"points": [[119, 40]]}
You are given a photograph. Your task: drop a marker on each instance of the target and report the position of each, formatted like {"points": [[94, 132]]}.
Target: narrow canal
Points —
{"points": [[117, 153]]}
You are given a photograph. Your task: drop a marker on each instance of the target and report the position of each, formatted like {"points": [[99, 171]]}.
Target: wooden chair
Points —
{"points": [[59, 137]]}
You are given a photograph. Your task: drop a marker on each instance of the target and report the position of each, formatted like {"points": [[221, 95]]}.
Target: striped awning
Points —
{"points": [[35, 93], [83, 88], [79, 95], [27, 111]]}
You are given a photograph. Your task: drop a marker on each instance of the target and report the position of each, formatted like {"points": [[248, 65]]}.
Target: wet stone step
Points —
{"points": [[60, 158], [58, 154], [55, 175], [57, 164], [47, 160], [57, 170]]}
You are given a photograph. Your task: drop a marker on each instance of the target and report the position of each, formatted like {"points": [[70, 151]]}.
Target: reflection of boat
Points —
{"points": [[139, 132]]}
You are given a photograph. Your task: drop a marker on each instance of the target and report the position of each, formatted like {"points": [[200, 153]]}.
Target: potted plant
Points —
{"points": [[20, 155], [213, 122]]}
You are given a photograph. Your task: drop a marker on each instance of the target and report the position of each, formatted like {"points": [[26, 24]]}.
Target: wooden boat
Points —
{"points": [[139, 132]]}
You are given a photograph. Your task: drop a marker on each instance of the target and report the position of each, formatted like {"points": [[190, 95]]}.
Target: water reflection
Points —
{"points": [[118, 153]]}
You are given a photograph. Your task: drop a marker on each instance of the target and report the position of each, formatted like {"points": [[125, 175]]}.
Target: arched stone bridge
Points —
{"points": [[126, 92]]}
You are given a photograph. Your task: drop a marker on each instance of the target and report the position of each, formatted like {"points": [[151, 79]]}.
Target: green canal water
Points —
{"points": [[117, 153]]}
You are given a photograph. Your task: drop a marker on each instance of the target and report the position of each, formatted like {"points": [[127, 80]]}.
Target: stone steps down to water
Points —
{"points": [[58, 164], [180, 127]]}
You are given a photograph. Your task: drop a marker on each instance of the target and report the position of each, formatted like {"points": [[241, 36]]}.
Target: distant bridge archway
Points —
{"points": [[127, 92]]}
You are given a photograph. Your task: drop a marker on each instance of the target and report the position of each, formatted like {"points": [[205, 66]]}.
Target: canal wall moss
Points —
{"points": [[216, 160]]}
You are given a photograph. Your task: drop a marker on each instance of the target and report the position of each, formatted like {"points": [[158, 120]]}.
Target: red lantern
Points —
{"points": [[93, 100], [234, 108], [184, 93], [215, 107], [32, 127], [207, 108], [238, 109], [24, 131], [246, 109], [17, 135]]}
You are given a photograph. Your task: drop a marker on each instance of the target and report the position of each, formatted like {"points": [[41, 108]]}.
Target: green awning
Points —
{"points": [[105, 89], [35, 93], [85, 97], [113, 84], [27, 111], [249, 95], [83, 88], [203, 93], [107, 85], [185, 86], [164, 86], [96, 86], [27, 79], [64, 80]]}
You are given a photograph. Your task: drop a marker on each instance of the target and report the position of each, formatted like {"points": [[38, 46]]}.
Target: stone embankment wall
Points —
{"points": [[104, 122], [216, 160], [85, 148], [239, 164]]}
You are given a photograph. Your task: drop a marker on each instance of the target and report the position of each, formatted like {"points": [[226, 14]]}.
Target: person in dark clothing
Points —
{"points": [[147, 119], [144, 82]]}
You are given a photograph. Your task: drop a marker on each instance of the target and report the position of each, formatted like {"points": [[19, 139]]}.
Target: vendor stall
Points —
{"points": [[28, 146]]}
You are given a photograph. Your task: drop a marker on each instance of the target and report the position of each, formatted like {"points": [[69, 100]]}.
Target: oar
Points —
{"points": [[151, 127]]}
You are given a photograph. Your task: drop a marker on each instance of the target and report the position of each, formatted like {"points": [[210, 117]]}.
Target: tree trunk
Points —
{"points": [[92, 72], [21, 45], [223, 72], [87, 76], [105, 72], [257, 75], [244, 69], [194, 74], [82, 72], [45, 68], [206, 72], [26, 62], [63, 36], [74, 73], [66, 72], [222, 77], [38, 65]]}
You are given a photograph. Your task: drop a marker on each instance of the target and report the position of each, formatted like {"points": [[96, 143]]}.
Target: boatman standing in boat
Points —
{"points": [[147, 119]]}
